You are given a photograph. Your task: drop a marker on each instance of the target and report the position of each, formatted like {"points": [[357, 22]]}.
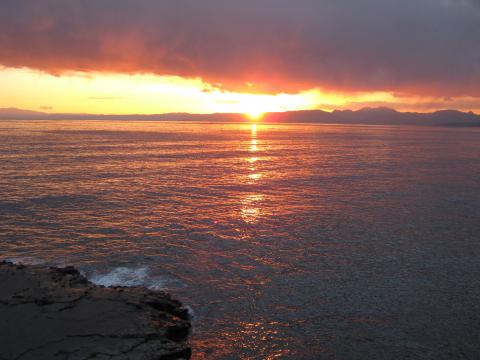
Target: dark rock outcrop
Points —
{"points": [[56, 313]]}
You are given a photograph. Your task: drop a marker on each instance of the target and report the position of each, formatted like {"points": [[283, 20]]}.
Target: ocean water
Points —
{"points": [[286, 241]]}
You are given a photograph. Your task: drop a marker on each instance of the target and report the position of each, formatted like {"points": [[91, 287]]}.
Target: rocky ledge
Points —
{"points": [[56, 313]]}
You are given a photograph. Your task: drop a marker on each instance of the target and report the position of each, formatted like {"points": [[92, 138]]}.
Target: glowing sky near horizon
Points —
{"points": [[159, 56], [114, 93]]}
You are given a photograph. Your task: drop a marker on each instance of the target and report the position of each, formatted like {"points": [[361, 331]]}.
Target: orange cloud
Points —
{"points": [[412, 47]]}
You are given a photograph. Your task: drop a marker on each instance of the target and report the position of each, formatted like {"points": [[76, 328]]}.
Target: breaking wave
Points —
{"points": [[125, 276]]}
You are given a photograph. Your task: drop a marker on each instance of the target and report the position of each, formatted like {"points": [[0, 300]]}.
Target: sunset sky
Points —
{"points": [[251, 56]]}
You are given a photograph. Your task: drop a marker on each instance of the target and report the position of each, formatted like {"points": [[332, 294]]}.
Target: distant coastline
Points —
{"points": [[366, 116]]}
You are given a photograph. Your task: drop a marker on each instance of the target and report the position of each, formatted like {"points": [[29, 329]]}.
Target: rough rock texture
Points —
{"points": [[54, 313]]}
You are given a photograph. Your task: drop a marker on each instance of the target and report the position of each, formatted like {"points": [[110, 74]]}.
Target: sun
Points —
{"points": [[254, 115], [253, 106]]}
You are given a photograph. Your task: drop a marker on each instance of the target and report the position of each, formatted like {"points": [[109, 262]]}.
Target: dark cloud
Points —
{"points": [[406, 46]]}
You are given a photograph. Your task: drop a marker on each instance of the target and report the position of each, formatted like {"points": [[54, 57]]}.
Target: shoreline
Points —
{"points": [[57, 313]]}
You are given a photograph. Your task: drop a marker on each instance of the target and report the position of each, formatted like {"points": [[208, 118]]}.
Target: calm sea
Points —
{"points": [[287, 241]]}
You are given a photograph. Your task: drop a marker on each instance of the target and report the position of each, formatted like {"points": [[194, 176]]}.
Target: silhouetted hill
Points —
{"points": [[366, 116], [13, 113], [19, 114], [378, 116]]}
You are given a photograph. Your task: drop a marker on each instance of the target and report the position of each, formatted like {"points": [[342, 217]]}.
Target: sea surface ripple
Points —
{"points": [[287, 241]]}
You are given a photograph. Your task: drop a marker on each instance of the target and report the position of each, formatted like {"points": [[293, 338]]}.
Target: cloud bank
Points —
{"points": [[423, 47]]}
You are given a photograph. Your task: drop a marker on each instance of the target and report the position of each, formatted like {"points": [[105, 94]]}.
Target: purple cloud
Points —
{"points": [[406, 46]]}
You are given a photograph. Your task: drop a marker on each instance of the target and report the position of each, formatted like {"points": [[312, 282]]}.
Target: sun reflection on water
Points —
{"points": [[255, 338], [254, 176], [251, 210], [253, 145]]}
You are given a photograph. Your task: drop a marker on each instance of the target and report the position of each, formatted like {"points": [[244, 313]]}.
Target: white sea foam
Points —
{"points": [[124, 276], [191, 313]]}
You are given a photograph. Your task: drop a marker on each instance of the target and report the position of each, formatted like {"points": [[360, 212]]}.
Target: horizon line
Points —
{"points": [[376, 108]]}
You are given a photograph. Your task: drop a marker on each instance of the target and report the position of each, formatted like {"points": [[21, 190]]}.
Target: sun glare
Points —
{"points": [[109, 93], [254, 115]]}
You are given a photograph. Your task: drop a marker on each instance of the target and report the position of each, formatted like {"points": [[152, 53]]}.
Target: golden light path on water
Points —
{"points": [[257, 332], [251, 203]]}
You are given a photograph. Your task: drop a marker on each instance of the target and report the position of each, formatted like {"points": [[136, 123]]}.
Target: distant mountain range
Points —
{"points": [[366, 116], [380, 116]]}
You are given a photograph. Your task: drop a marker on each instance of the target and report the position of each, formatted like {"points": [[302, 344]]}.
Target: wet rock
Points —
{"points": [[56, 313]]}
